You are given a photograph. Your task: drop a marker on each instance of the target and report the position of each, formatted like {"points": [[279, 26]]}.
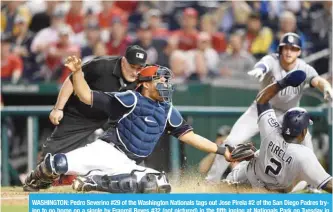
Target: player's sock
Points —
{"points": [[299, 186]]}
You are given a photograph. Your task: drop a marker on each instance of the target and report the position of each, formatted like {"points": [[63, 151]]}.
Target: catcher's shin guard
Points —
{"points": [[46, 172], [124, 183]]}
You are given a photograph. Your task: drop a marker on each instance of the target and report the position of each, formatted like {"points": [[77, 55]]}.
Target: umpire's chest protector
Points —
{"points": [[140, 129]]}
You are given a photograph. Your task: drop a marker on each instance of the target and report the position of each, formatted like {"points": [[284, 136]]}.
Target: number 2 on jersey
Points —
{"points": [[275, 171]]}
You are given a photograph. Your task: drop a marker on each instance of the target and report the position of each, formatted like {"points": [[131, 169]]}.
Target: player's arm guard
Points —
{"points": [[293, 79], [242, 152]]}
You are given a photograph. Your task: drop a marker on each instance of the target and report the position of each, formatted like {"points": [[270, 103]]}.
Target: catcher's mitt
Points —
{"points": [[242, 152]]}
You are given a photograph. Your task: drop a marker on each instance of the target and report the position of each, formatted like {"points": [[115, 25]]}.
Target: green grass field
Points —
{"points": [[13, 199]]}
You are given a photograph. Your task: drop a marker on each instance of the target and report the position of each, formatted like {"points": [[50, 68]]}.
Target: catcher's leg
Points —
{"points": [[243, 130], [44, 174], [135, 182]]}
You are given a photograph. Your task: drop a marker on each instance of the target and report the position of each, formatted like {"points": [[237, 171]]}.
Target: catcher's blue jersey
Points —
{"points": [[138, 130]]}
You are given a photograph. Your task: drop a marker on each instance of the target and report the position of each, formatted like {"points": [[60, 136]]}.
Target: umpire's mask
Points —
{"points": [[155, 72]]}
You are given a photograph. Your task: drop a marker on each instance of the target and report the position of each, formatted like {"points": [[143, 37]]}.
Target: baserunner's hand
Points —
{"points": [[73, 63]]}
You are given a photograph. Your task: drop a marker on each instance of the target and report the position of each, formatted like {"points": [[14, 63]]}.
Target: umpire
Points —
{"points": [[76, 121]]}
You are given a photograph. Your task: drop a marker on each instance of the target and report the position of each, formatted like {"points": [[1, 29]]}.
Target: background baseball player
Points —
{"points": [[282, 161], [137, 122], [269, 69]]}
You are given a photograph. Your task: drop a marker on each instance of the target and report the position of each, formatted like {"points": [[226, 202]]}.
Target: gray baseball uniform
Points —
{"points": [[246, 126], [279, 164]]}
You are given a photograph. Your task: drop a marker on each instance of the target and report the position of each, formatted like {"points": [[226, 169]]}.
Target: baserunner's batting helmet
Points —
{"points": [[291, 39], [295, 120]]}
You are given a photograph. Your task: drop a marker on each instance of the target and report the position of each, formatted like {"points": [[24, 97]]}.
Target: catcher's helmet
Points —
{"points": [[291, 39], [154, 72], [295, 120]]}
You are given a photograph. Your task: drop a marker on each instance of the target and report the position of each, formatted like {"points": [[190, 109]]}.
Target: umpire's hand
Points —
{"points": [[56, 115], [73, 63]]}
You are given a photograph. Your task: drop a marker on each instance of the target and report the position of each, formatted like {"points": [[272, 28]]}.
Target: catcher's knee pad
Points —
{"points": [[54, 165], [43, 175], [60, 163]]}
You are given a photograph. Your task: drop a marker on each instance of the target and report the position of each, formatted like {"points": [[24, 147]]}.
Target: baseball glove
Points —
{"points": [[242, 152]]}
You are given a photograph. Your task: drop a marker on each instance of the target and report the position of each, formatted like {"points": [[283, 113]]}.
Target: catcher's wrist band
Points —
{"points": [[221, 150]]}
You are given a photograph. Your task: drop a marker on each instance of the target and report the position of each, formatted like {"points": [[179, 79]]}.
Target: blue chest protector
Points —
{"points": [[140, 129]]}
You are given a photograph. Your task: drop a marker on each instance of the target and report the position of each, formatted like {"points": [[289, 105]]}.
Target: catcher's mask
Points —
{"points": [[155, 72]]}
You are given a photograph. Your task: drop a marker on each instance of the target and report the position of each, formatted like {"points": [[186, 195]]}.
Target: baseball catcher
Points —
{"points": [[137, 119]]}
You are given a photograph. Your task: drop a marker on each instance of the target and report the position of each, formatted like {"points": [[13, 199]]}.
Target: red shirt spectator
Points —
{"points": [[188, 35], [58, 52], [61, 50], [75, 16], [115, 48], [109, 12], [75, 21], [209, 24], [10, 64], [219, 42], [127, 6], [186, 41], [119, 40]]}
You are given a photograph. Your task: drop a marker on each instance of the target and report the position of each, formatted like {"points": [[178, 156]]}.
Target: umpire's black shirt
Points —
{"points": [[102, 74], [80, 120]]}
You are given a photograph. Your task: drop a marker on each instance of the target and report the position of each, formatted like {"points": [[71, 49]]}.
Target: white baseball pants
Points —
{"points": [[102, 158]]}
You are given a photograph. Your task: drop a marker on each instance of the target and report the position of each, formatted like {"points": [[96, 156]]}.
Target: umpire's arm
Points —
{"points": [[81, 87]]}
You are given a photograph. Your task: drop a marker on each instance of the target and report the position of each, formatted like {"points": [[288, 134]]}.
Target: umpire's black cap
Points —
{"points": [[135, 55]]}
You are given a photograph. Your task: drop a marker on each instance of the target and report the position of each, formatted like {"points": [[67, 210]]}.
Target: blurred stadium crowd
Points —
{"points": [[197, 40]]}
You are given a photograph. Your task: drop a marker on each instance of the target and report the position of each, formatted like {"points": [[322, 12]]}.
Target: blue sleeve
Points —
{"points": [[108, 103], [180, 130], [176, 125]]}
